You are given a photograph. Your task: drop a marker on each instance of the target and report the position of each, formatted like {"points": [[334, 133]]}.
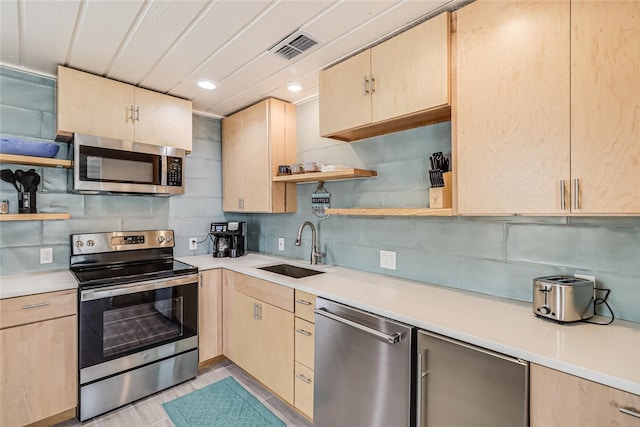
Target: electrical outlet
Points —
{"points": [[586, 277], [46, 256], [388, 260], [280, 244], [193, 243]]}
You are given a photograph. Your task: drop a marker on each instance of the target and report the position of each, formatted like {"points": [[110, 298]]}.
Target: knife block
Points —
{"points": [[440, 197]]}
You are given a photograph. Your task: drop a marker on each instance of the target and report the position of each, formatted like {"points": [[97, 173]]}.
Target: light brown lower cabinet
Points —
{"points": [[305, 333], [258, 331], [560, 399], [38, 357], [210, 315]]}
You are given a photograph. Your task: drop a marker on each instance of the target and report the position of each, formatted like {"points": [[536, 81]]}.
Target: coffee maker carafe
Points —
{"points": [[228, 239]]}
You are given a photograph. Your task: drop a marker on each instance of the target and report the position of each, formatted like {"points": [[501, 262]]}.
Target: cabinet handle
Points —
{"points": [[255, 311], [259, 311], [630, 412], [40, 304], [131, 113], [373, 85], [303, 332], [563, 204], [366, 86], [576, 194], [201, 281], [303, 378], [303, 302], [137, 113]]}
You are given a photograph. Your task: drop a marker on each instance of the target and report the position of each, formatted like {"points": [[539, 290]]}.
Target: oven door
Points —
{"points": [[125, 326]]}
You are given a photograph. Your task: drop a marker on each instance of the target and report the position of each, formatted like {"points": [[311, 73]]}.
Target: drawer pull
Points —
{"points": [[303, 378], [630, 412], [303, 332], [303, 302], [40, 304]]}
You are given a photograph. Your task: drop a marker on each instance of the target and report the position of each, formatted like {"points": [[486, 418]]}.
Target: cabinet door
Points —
{"points": [[513, 141], [246, 334], [605, 82], [210, 315], [93, 105], [38, 367], [276, 350], [582, 403], [345, 101], [162, 119], [256, 173], [411, 70], [233, 169]]}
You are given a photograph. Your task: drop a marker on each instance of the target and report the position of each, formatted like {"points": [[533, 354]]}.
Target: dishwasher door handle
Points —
{"points": [[393, 338]]}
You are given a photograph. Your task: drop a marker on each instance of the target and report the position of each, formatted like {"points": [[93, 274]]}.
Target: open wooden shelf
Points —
{"points": [[35, 161], [326, 176], [390, 211], [34, 217]]}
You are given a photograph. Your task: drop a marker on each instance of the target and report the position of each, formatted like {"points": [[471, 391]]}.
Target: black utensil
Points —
{"points": [[28, 181], [19, 174], [36, 182], [8, 176]]}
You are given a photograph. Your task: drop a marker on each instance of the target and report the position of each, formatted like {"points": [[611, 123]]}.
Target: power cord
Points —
{"points": [[599, 301]]}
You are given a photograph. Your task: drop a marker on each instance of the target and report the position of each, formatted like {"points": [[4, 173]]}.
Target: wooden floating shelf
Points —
{"points": [[326, 176], [35, 161], [34, 217], [390, 211]]}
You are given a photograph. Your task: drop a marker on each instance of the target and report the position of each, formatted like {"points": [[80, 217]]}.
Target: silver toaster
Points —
{"points": [[563, 298]]}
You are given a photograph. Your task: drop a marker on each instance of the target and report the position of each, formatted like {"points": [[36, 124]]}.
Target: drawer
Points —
{"points": [[305, 333], [35, 308], [304, 390], [305, 304], [263, 290]]}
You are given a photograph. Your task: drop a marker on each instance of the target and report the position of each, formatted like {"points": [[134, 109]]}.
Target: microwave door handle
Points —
{"points": [[164, 166]]}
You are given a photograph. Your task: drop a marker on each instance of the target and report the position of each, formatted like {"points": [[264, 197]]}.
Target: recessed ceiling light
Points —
{"points": [[206, 84], [294, 87]]}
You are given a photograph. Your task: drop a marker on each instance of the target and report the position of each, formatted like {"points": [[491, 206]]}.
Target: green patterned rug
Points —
{"points": [[222, 404]]}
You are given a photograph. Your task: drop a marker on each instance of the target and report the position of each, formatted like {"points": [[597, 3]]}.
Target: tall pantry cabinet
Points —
{"points": [[546, 107]]}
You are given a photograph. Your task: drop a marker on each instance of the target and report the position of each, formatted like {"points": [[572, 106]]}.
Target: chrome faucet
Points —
{"points": [[315, 255]]}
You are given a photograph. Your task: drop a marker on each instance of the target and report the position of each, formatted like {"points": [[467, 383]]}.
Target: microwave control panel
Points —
{"points": [[174, 171]]}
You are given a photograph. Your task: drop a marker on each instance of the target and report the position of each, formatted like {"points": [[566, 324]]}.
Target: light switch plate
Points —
{"points": [[388, 260], [280, 244]]}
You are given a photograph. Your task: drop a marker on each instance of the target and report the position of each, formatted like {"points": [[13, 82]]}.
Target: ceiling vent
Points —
{"points": [[293, 45]]}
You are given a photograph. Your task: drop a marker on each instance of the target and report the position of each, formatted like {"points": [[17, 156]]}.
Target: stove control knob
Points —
{"points": [[90, 243], [79, 244], [160, 239], [545, 310], [169, 238]]}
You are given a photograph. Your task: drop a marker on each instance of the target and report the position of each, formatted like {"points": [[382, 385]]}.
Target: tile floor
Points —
{"points": [[149, 412]]}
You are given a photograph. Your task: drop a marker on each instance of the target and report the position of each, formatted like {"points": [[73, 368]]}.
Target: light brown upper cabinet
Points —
{"points": [[254, 142], [98, 106], [545, 105], [396, 85]]}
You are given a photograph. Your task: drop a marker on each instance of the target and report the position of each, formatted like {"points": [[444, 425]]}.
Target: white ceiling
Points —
{"points": [[169, 45]]}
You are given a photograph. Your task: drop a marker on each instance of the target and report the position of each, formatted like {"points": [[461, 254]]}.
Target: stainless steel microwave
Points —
{"points": [[110, 166]]}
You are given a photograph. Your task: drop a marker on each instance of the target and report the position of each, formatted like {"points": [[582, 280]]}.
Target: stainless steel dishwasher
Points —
{"points": [[462, 385], [363, 371]]}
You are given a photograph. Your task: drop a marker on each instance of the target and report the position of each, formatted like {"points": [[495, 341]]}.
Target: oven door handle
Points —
{"points": [[132, 288]]}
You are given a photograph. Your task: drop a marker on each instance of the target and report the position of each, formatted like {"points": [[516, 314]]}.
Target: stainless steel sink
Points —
{"points": [[291, 270]]}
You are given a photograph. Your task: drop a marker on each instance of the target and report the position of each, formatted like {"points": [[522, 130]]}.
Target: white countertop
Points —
{"points": [[16, 285], [608, 355], [605, 354]]}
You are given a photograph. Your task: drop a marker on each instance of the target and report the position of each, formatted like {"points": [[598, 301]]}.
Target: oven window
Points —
{"points": [[117, 326], [136, 326]]}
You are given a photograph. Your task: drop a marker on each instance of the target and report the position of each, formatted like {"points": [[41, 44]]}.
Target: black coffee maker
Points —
{"points": [[228, 239]]}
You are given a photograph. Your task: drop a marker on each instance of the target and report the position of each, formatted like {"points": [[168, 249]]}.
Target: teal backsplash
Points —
{"points": [[27, 108], [491, 255]]}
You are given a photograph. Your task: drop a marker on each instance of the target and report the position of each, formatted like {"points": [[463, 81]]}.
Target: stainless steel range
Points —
{"points": [[138, 317]]}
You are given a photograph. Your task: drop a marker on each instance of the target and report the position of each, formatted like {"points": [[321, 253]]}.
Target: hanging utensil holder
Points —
{"points": [[440, 197]]}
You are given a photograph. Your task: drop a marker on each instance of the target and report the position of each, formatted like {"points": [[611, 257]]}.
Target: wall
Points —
{"points": [[27, 109], [491, 255]]}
